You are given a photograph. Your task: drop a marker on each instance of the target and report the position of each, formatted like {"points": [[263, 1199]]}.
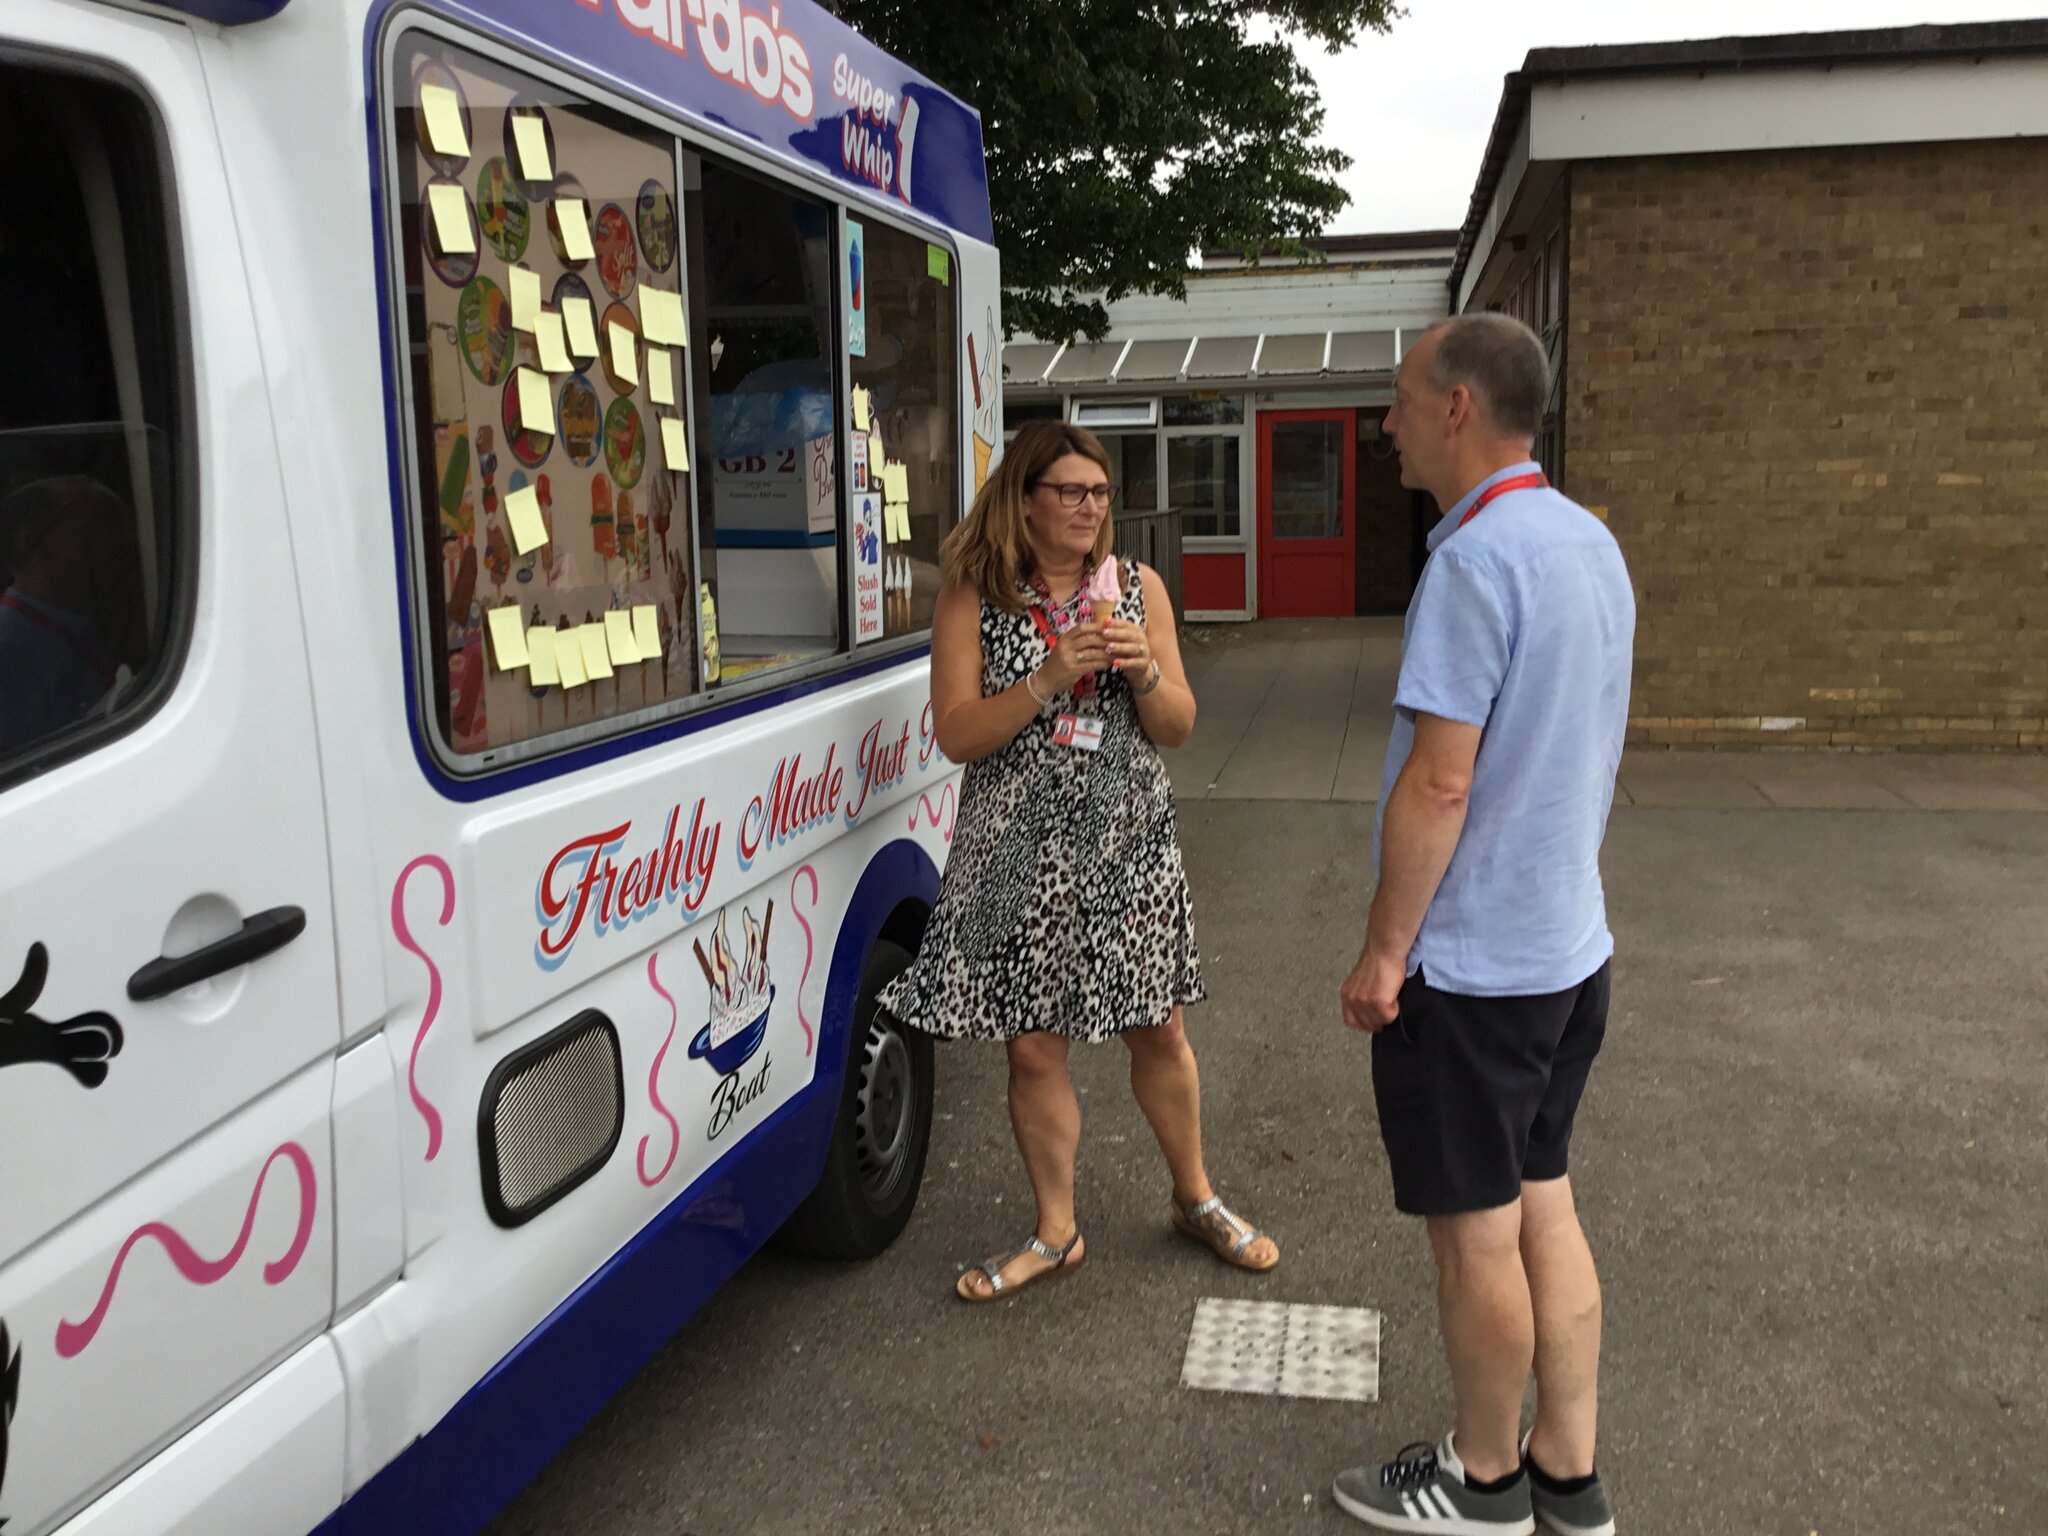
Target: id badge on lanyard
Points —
{"points": [[1072, 729], [1083, 732]]}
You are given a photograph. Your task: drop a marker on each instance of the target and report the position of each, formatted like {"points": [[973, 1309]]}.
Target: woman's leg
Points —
{"points": [[1168, 1088], [1047, 1120]]}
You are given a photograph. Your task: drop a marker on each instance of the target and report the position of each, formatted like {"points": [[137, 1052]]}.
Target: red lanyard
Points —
{"points": [[1529, 482], [1054, 621], [101, 668]]}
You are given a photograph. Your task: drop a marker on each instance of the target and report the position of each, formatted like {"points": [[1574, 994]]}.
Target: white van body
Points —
{"points": [[354, 1232]]}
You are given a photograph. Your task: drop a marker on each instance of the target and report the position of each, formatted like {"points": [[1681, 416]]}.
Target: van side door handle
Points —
{"points": [[261, 935]]}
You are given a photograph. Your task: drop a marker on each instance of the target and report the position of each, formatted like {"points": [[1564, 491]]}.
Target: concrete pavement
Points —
{"points": [[1299, 710], [1811, 1163]]}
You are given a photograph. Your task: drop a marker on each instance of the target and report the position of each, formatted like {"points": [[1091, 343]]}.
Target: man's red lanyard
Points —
{"points": [[1528, 482], [101, 667]]}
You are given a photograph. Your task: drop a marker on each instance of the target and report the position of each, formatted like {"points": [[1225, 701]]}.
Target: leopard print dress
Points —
{"points": [[1065, 905]]}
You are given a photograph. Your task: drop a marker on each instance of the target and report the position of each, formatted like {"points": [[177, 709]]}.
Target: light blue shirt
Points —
{"points": [[1523, 624]]}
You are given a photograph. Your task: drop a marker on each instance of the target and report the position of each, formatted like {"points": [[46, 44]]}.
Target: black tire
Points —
{"points": [[876, 1163]]}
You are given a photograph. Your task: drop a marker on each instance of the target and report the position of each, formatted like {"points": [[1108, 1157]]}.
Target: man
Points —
{"points": [[71, 590], [1484, 979]]}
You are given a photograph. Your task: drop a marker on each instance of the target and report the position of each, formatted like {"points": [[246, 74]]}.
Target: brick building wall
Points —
{"points": [[1809, 392]]}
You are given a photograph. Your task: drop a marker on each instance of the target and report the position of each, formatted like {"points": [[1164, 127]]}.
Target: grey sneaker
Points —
{"points": [[1423, 1489], [1585, 1513]]}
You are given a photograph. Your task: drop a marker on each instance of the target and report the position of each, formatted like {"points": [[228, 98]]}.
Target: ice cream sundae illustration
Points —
{"points": [[741, 993]]}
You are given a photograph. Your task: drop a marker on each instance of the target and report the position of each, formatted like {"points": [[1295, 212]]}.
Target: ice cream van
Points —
{"points": [[466, 563]]}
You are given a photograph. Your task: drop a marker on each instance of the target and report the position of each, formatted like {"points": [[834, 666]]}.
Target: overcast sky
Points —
{"points": [[1413, 108]]}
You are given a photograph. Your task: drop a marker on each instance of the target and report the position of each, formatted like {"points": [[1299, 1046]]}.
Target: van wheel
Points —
{"points": [[876, 1164]]}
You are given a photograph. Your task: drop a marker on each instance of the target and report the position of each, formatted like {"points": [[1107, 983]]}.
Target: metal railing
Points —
{"points": [[1154, 539]]}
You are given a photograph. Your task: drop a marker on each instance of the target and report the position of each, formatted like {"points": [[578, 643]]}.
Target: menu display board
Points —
{"points": [[544, 259]]}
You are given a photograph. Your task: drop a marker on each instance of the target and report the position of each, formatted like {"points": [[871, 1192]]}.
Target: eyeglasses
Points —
{"points": [[1071, 496]]}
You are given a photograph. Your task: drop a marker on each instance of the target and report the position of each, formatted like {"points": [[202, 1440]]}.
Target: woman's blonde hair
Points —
{"points": [[990, 551]]}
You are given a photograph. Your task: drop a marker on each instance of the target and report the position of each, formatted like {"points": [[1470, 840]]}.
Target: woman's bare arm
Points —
{"points": [[1167, 713], [970, 727]]}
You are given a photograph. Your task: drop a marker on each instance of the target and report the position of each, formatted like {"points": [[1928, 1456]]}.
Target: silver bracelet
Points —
{"points": [[1042, 703], [1152, 681]]}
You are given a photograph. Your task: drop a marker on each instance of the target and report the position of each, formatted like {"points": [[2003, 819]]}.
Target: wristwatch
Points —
{"points": [[1152, 681]]}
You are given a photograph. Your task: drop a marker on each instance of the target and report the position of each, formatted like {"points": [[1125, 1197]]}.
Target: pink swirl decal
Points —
{"points": [[810, 946], [73, 1337], [440, 866], [675, 1132], [941, 815]]}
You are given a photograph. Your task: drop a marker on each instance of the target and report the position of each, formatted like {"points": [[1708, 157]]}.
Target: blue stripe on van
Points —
{"points": [[532, 1403]]}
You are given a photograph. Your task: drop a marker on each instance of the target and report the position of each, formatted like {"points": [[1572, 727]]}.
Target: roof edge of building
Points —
{"points": [[1352, 245], [1924, 43]]}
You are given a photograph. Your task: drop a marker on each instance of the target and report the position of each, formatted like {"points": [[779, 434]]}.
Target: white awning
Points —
{"points": [[1281, 356], [1025, 362]]}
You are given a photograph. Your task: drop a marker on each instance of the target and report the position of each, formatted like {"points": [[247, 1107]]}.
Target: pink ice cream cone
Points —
{"points": [[1103, 591]]}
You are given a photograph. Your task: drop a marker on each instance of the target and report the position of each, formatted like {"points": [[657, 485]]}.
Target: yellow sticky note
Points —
{"points": [[508, 638], [625, 360], [443, 111], [531, 134], [529, 532], [860, 410], [618, 638], [900, 514], [661, 377], [569, 658], [525, 298], [895, 483], [647, 632], [582, 326], [554, 349], [596, 660], [540, 657], [574, 221], [451, 219], [675, 447], [661, 316], [536, 405]]}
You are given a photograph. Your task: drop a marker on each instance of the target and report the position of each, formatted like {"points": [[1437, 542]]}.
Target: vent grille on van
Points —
{"points": [[551, 1116]]}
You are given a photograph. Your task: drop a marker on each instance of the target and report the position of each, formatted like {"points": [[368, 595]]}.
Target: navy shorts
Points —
{"points": [[1476, 1095]]}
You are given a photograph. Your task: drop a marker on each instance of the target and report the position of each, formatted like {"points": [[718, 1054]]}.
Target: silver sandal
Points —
{"points": [[1188, 1224], [993, 1269]]}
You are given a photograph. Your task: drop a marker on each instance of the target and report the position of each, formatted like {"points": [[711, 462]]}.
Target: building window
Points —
{"points": [[910, 371], [1134, 469], [1017, 412], [1202, 475], [1202, 410], [1553, 258], [92, 546]]}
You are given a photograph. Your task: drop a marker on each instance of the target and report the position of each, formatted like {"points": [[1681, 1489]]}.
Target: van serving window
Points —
{"points": [[908, 366], [764, 358], [630, 410], [91, 545]]}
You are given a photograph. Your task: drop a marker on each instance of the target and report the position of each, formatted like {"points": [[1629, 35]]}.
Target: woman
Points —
{"points": [[1064, 913]]}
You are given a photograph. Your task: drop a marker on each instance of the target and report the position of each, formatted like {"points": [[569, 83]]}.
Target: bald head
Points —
{"points": [[1500, 361]]}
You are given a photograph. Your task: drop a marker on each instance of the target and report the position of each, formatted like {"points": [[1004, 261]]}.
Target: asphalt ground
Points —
{"points": [[1813, 1163]]}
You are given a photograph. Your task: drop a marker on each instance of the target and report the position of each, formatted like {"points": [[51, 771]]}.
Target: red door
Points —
{"points": [[1308, 538]]}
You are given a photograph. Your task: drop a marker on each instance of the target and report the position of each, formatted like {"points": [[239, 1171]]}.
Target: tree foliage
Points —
{"points": [[1124, 134]]}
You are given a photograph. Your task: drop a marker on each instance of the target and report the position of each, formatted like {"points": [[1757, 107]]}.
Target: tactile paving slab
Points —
{"points": [[1284, 1349]]}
